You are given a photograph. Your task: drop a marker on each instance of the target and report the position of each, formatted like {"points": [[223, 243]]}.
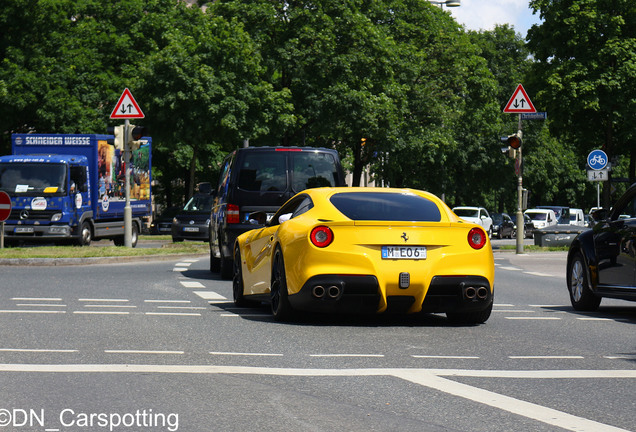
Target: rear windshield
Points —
{"points": [[385, 206], [537, 216], [263, 171], [313, 169], [466, 212]]}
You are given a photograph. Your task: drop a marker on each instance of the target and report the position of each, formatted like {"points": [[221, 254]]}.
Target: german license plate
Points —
{"points": [[19, 230], [191, 229], [404, 252]]}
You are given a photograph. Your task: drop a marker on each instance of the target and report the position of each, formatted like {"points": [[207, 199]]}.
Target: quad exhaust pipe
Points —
{"points": [[482, 293], [472, 293], [320, 291]]}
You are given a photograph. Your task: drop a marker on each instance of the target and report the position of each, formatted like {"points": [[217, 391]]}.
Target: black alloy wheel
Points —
{"points": [[581, 296], [281, 309]]}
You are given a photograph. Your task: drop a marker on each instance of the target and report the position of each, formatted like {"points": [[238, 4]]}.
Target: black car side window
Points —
{"points": [[628, 211]]}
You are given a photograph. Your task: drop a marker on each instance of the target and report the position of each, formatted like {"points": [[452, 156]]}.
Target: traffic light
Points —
{"points": [[118, 133], [134, 135], [513, 141], [135, 132]]}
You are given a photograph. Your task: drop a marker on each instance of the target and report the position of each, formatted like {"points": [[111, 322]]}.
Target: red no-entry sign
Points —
{"points": [[5, 206]]}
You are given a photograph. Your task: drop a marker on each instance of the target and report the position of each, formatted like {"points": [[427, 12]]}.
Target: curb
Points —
{"points": [[93, 261]]}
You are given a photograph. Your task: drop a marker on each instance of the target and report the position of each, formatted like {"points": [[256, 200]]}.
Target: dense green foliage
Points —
{"points": [[397, 86]]}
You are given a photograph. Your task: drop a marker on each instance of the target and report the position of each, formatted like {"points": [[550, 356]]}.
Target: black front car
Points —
{"points": [[602, 260]]}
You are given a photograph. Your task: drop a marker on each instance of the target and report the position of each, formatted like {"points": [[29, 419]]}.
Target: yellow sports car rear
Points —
{"points": [[355, 250]]}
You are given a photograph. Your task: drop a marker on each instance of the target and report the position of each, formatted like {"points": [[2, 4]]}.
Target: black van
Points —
{"points": [[261, 179]]}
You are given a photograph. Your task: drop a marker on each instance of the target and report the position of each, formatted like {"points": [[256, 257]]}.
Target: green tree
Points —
{"points": [[204, 89], [585, 71]]}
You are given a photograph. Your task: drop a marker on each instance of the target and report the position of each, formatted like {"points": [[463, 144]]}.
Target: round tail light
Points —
{"points": [[476, 238], [321, 236]]}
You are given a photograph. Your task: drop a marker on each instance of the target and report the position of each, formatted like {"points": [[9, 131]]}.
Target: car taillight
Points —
{"points": [[321, 236], [476, 238], [233, 215]]}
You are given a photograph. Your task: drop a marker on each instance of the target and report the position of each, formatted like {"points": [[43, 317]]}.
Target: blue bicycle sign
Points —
{"points": [[597, 159]]}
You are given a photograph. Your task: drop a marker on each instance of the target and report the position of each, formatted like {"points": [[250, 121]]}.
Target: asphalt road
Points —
{"points": [[159, 346]]}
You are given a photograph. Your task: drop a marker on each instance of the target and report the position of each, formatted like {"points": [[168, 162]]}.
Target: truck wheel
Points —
{"points": [[134, 235], [85, 234]]}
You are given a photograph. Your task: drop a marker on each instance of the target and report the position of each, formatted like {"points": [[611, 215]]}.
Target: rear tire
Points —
{"points": [[281, 309], [581, 296], [225, 267], [134, 235], [470, 318]]}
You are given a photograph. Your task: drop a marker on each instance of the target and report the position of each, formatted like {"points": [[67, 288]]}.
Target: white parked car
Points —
{"points": [[577, 217], [478, 215], [542, 218]]}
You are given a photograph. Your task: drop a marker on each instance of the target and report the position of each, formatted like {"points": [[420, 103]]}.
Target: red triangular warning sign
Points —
{"points": [[126, 107], [519, 102]]}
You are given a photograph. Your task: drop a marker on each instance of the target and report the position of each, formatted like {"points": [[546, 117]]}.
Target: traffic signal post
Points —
{"points": [[127, 108], [519, 164], [514, 151], [519, 103]]}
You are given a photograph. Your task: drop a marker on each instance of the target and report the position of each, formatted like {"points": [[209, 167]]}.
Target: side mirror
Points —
{"points": [[284, 217]]}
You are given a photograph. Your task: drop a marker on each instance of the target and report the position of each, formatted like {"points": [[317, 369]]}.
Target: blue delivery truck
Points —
{"points": [[71, 188]]}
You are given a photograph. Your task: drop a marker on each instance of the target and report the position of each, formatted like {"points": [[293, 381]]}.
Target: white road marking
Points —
{"points": [[510, 268], [346, 355], [173, 314], [445, 357], [210, 295], [32, 311], [541, 274], [595, 319], [38, 350], [546, 357], [167, 301], [431, 378], [113, 351], [100, 313], [103, 300], [108, 306], [514, 310], [36, 299], [41, 304], [190, 284], [179, 269], [533, 318], [245, 354], [182, 307], [184, 263]]}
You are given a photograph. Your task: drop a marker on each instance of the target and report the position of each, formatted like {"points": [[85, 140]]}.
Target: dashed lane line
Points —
{"points": [[192, 284]]}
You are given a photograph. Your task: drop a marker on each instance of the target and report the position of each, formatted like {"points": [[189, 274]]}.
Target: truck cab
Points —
{"points": [[50, 196]]}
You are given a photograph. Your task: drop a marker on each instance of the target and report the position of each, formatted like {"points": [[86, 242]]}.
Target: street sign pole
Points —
{"points": [[127, 108], [520, 103], [127, 209], [520, 222]]}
